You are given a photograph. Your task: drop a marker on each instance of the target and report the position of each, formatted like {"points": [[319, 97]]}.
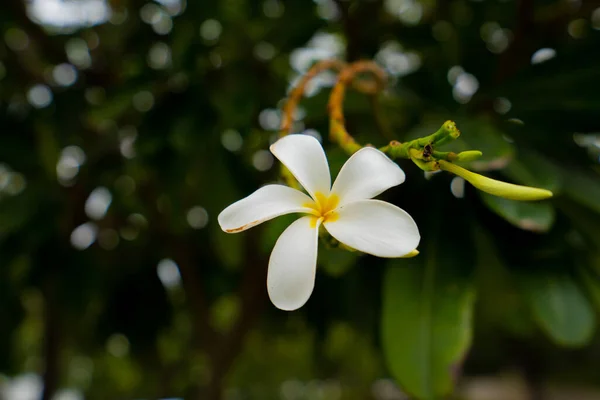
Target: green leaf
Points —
{"points": [[427, 316], [568, 76], [500, 303], [591, 282], [483, 135], [535, 217], [583, 188], [560, 307], [586, 221]]}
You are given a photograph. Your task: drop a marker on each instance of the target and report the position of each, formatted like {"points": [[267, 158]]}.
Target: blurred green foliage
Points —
{"points": [[124, 134]]}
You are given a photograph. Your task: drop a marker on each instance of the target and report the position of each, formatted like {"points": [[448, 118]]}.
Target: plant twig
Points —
{"points": [[338, 132], [298, 91]]}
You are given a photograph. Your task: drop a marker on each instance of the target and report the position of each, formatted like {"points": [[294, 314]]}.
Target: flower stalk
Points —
{"points": [[422, 151]]}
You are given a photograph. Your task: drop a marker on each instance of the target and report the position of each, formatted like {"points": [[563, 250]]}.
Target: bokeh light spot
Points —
{"points": [[457, 187], [168, 273], [465, 87], [314, 133], [453, 74], [396, 61], [409, 12], [502, 105], [16, 39], [543, 55], [69, 15], [78, 53], [84, 235], [143, 101], [578, 28], [210, 30], [150, 13], [262, 160], [173, 7], [328, 10], [70, 160], [23, 387], [197, 217], [273, 8], [40, 96], [159, 56], [164, 25], [264, 51], [269, 119], [232, 140], [16, 184], [64, 74], [117, 345], [98, 202]]}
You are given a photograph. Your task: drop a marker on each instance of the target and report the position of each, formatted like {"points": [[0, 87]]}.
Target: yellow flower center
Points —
{"points": [[324, 207]]}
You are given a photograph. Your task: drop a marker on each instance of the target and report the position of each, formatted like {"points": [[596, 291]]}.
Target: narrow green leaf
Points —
{"points": [[560, 308], [427, 316], [535, 217]]}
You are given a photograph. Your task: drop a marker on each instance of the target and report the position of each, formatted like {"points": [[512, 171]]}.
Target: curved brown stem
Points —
{"points": [[363, 86], [297, 92], [347, 76], [338, 132]]}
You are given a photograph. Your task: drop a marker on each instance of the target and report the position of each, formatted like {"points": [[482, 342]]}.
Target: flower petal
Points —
{"points": [[264, 204], [306, 160], [291, 276], [366, 174], [375, 227]]}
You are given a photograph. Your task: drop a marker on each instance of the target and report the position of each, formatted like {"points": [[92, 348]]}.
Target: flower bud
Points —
{"points": [[469, 155], [497, 188]]}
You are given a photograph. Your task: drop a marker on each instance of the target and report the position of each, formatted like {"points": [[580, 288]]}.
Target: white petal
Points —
{"points": [[305, 158], [266, 203], [366, 174], [375, 227], [291, 276]]}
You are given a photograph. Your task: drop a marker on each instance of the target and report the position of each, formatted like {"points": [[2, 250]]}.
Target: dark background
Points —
{"points": [[126, 127]]}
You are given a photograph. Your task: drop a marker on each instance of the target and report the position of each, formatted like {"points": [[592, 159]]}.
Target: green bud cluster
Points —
{"points": [[423, 152]]}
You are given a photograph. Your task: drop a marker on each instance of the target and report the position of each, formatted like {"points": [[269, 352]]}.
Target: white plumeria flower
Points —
{"points": [[346, 210]]}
